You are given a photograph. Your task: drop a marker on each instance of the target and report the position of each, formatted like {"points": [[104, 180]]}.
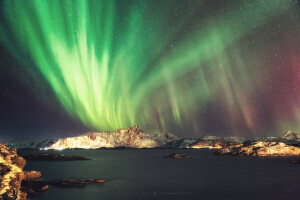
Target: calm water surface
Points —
{"points": [[145, 174]]}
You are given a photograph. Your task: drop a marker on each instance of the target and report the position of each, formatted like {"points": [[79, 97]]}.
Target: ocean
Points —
{"points": [[132, 174]]}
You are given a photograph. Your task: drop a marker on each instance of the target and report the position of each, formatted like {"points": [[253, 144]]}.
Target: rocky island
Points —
{"points": [[286, 145], [260, 148], [53, 157]]}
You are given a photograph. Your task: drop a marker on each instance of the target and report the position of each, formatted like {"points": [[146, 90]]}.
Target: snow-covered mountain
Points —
{"points": [[131, 137], [291, 136], [32, 145], [136, 138], [180, 143]]}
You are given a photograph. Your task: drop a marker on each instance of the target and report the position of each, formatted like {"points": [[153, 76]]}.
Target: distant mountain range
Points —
{"points": [[134, 137], [131, 137]]}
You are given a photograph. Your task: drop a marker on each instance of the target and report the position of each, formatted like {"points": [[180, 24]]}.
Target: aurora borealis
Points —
{"points": [[187, 67]]}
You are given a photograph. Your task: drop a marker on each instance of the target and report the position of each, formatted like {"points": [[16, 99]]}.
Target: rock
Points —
{"points": [[53, 157], [15, 184], [11, 172], [34, 188], [20, 162], [67, 183], [175, 155], [33, 183], [96, 180], [210, 142], [207, 145], [33, 176], [260, 149]]}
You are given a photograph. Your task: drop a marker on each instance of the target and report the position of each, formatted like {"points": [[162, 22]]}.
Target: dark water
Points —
{"points": [[145, 174]]}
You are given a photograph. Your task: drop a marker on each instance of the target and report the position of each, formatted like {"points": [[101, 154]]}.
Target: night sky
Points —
{"points": [[192, 68]]}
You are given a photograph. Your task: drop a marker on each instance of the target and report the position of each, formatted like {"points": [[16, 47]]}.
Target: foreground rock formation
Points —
{"points": [[33, 183], [53, 157], [11, 174], [260, 148], [131, 137], [16, 184]]}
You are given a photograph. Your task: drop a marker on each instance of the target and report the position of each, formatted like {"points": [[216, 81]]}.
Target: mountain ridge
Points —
{"points": [[134, 137]]}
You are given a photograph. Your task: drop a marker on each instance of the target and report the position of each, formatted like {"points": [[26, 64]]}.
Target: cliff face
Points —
{"points": [[131, 137], [260, 148], [11, 174]]}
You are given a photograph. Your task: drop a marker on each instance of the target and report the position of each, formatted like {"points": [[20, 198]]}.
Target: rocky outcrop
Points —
{"points": [[260, 148], [11, 174], [32, 176], [95, 180], [16, 184], [131, 137], [175, 155], [53, 157], [34, 187], [207, 141], [214, 142]]}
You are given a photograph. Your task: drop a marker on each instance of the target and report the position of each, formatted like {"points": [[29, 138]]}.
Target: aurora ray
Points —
{"points": [[113, 64]]}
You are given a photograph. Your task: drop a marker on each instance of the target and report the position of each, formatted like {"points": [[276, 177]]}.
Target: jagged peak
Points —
{"points": [[290, 135]]}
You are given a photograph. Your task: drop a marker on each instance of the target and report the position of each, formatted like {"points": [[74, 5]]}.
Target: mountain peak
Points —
{"points": [[132, 137], [290, 135]]}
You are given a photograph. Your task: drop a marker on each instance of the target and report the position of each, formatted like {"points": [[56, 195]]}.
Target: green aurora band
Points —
{"points": [[113, 64]]}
